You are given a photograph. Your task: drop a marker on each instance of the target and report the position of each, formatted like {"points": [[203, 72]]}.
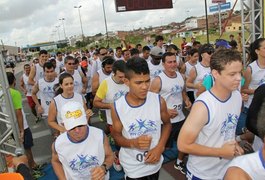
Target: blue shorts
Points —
{"points": [[28, 139]]}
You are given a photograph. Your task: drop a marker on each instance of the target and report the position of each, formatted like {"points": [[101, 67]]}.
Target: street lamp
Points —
{"points": [[78, 7], [62, 19], [105, 20], [57, 27]]}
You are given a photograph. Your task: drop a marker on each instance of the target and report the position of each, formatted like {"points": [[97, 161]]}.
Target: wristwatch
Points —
{"points": [[105, 168]]}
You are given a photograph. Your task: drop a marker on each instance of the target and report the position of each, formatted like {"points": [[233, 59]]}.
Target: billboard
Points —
{"points": [[136, 5], [218, 1]]}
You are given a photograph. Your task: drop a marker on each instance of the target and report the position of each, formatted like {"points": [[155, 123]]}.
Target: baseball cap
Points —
{"points": [[222, 43], [73, 115], [83, 64], [156, 51], [189, 44]]}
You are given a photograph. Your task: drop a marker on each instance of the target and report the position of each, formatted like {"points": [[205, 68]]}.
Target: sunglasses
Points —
{"points": [[103, 54], [71, 63]]}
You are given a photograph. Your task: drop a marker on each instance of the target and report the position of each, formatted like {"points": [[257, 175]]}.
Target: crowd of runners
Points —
{"points": [[198, 96]]}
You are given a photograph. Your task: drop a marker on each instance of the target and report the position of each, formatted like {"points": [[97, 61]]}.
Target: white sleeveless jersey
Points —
{"points": [[155, 70], [46, 93], [253, 164], [118, 58], [187, 73], [102, 75], [39, 72], [257, 143], [60, 101], [28, 87], [89, 79], [171, 91], [136, 121], [59, 64], [201, 72], [115, 91], [220, 128], [257, 79], [78, 158]]}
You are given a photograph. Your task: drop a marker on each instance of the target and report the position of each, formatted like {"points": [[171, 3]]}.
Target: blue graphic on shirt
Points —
{"points": [[175, 90], [229, 126], [119, 94], [262, 81], [141, 127], [82, 163], [157, 72], [48, 91]]}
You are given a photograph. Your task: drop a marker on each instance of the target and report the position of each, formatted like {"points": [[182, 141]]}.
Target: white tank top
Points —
{"points": [[59, 64], [253, 164], [46, 93], [187, 73], [171, 91], [102, 75], [136, 121], [201, 72], [60, 101], [78, 158], [39, 72], [155, 70], [114, 92], [28, 87], [220, 128], [257, 79]]}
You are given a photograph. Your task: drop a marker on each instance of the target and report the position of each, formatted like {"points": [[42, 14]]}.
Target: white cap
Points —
{"points": [[189, 44], [73, 115]]}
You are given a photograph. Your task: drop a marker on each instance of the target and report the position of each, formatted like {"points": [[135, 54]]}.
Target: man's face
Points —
{"points": [[102, 53], [230, 77], [170, 64], [78, 133], [60, 57], [146, 54], [70, 65], [139, 85], [156, 59], [27, 70], [160, 43], [126, 55], [108, 68], [118, 53], [140, 48], [43, 58], [49, 73], [119, 77]]}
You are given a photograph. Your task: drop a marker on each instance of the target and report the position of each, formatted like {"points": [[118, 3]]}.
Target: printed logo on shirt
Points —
{"points": [[82, 163], [119, 94], [142, 127], [229, 127], [157, 72], [262, 81], [176, 90]]}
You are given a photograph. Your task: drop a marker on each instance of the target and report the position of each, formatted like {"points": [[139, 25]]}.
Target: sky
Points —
{"points": [[26, 22]]}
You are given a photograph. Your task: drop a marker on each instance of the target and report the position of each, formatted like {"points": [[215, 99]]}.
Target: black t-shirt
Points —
{"points": [[254, 109]]}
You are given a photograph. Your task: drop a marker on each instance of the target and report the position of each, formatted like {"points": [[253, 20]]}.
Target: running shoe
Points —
{"points": [[181, 167], [116, 164]]}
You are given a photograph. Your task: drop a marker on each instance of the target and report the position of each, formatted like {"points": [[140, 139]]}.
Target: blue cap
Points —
{"points": [[222, 43]]}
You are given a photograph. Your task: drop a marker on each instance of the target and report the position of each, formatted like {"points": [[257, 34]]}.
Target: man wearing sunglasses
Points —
{"points": [[155, 64]]}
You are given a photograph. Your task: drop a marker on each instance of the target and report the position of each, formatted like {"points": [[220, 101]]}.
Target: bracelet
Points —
{"points": [[105, 168]]}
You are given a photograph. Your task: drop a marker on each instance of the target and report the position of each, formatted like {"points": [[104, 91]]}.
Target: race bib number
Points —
{"points": [[140, 156]]}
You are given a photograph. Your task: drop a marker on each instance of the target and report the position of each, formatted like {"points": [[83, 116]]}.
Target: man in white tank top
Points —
{"points": [[27, 88], [208, 134], [82, 152], [170, 84], [155, 64], [80, 80], [251, 166], [45, 87], [136, 124]]}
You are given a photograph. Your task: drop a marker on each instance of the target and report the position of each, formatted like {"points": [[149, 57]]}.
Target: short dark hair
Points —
{"points": [[205, 48], [172, 46], [137, 45], [48, 65], [84, 58], [136, 65], [261, 121], [222, 57], [107, 60], [118, 48], [58, 53], [119, 66], [10, 78], [166, 55], [253, 46], [193, 51], [146, 48], [158, 38], [43, 52], [134, 51], [67, 58]]}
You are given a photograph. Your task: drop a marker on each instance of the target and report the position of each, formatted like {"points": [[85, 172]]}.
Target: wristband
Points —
{"points": [[105, 168]]}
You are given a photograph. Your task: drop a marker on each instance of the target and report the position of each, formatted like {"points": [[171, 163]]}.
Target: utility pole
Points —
{"points": [[62, 19], [78, 7]]}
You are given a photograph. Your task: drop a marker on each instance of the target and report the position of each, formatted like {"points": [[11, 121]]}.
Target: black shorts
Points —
{"points": [[174, 133], [154, 176], [28, 140]]}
